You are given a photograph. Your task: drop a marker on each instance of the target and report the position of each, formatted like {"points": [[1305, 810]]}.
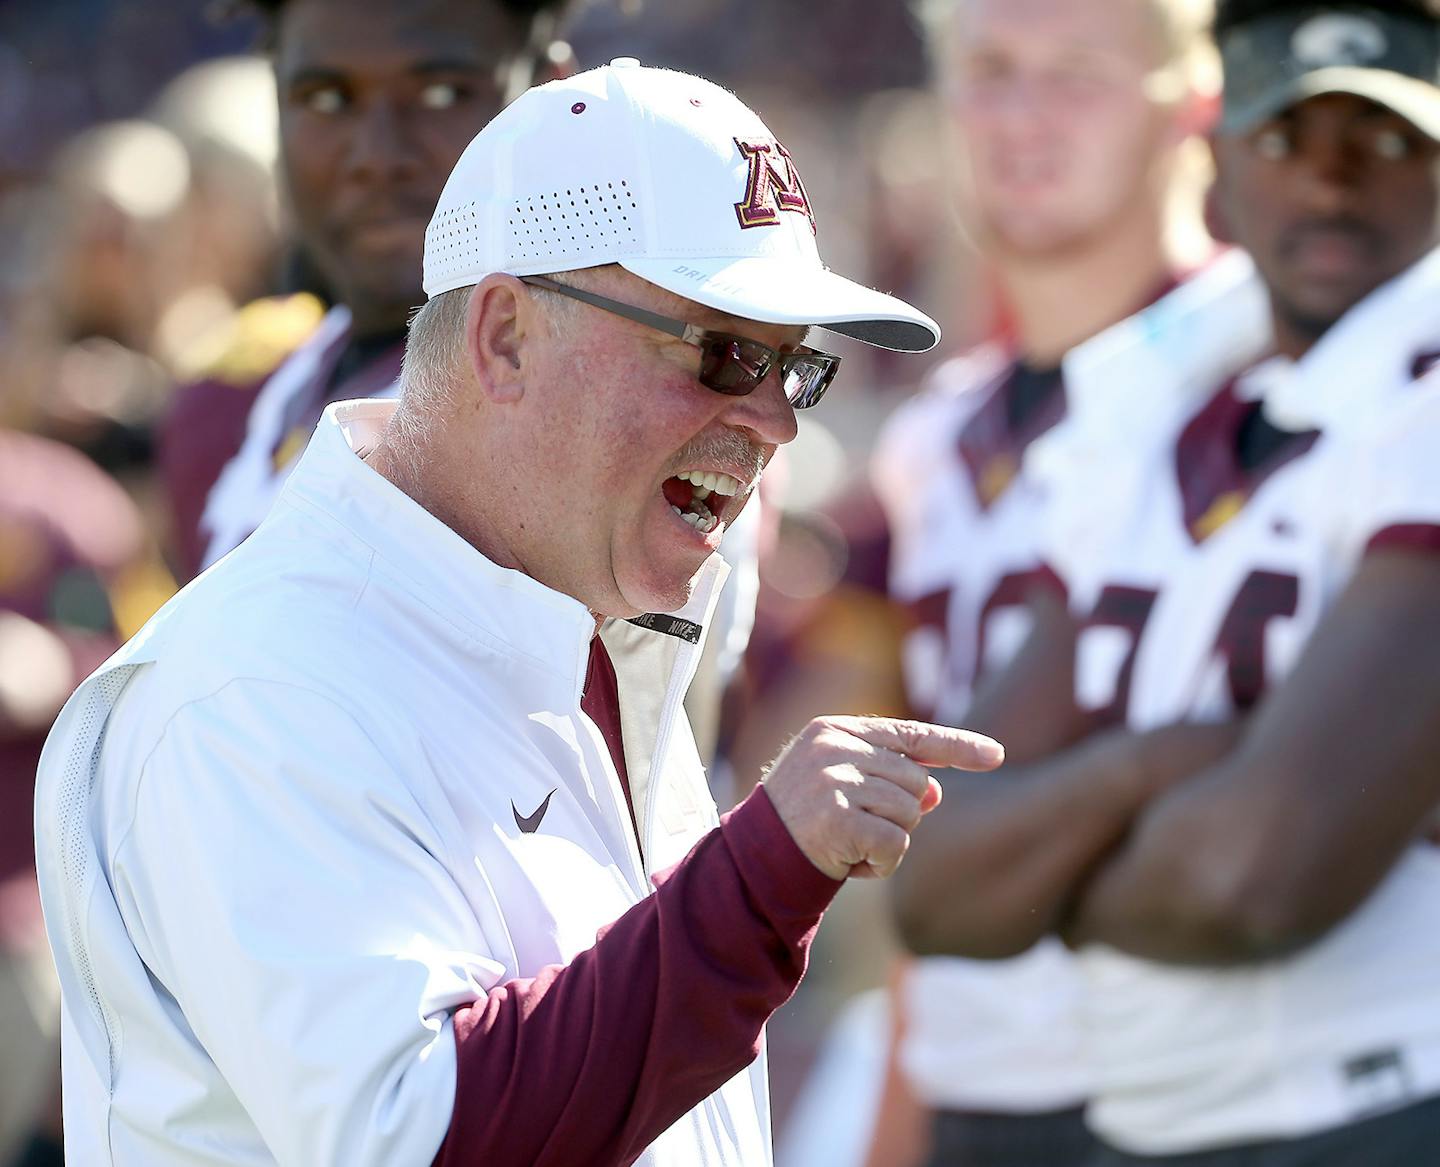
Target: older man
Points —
{"points": [[371, 851]]}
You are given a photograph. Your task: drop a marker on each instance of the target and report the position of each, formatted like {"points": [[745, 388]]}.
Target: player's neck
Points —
{"points": [[1059, 301]]}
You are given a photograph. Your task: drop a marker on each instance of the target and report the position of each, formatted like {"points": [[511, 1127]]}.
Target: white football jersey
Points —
{"points": [[1197, 584], [964, 527], [981, 1035]]}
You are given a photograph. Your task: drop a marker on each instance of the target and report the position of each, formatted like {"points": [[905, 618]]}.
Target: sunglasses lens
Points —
{"points": [[733, 366], [807, 378]]}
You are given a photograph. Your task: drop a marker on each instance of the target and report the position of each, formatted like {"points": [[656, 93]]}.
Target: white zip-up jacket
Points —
{"points": [[338, 789]]}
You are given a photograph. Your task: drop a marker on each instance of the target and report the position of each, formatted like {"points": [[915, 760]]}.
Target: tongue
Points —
{"points": [[678, 493]]}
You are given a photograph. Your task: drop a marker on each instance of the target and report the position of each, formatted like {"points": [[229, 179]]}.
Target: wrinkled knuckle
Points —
{"points": [[821, 739], [806, 737], [917, 733]]}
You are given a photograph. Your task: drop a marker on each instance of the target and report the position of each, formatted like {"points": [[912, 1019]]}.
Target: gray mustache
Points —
{"points": [[729, 450]]}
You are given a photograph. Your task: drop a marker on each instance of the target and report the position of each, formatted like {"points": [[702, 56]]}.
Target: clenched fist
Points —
{"points": [[851, 789]]}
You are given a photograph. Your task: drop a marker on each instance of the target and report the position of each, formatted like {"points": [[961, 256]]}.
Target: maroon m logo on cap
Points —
{"points": [[773, 186]]}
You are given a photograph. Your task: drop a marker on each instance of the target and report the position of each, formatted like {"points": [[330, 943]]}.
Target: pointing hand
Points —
{"points": [[851, 789]]}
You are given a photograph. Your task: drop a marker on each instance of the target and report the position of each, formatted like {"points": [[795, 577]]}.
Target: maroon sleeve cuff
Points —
{"points": [[1406, 536], [789, 890], [603, 1054]]}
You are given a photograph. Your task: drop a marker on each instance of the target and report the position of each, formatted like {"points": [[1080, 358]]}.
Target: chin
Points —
{"points": [[653, 595], [1036, 237]]}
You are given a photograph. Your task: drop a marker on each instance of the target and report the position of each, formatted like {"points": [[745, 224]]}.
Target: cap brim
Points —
{"points": [[780, 291], [1418, 102]]}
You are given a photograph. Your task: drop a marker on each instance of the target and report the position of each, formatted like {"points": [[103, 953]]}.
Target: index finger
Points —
{"points": [[930, 745]]}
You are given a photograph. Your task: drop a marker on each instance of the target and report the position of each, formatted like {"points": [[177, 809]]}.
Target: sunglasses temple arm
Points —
{"points": [[630, 312]]}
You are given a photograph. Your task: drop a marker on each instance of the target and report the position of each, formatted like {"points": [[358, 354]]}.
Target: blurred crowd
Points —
{"points": [[177, 303]]}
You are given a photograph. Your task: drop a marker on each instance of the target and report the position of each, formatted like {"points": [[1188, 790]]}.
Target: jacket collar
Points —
{"points": [[480, 598]]}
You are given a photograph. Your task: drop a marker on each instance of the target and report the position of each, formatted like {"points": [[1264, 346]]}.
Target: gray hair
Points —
{"points": [[435, 347]]}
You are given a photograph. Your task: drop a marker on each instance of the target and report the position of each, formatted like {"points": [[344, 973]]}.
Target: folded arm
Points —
{"points": [[1003, 855], [1333, 779]]}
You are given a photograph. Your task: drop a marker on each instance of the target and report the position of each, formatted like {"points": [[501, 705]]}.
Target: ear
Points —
{"points": [[500, 328], [1194, 115], [1203, 112]]}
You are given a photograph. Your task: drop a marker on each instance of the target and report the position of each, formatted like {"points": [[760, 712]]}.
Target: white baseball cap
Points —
{"points": [[667, 175]]}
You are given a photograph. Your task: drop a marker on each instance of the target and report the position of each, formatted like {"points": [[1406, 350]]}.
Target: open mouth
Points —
{"points": [[701, 497]]}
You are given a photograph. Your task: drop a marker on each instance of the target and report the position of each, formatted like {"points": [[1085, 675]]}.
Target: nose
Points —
{"points": [[1019, 97], [1330, 174], [380, 147], [766, 414]]}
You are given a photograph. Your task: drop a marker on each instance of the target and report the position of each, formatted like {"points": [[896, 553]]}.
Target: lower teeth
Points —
{"points": [[704, 523]]}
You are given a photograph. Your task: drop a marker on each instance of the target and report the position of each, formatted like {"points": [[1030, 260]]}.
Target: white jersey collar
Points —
{"points": [[1175, 353], [1366, 355]]}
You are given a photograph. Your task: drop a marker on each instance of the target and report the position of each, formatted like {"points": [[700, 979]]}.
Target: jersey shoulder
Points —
{"points": [[921, 433]]}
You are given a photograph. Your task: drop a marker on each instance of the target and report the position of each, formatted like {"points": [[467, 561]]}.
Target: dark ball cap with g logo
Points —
{"points": [[1281, 58]]}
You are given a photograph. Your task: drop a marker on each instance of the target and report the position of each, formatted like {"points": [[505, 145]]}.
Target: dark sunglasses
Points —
{"points": [[732, 365]]}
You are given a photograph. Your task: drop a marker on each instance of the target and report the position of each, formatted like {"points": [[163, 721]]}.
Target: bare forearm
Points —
{"points": [[1001, 856], [1271, 848], [1170, 892], [1012, 852], [1247, 863]]}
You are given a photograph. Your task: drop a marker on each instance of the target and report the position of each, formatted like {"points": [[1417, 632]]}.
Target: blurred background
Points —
{"points": [[144, 243]]}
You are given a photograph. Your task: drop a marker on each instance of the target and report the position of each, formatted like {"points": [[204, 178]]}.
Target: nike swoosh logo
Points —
{"points": [[529, 822]]}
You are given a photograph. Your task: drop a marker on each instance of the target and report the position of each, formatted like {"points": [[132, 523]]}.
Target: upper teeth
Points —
{"points": [[708, 481]]}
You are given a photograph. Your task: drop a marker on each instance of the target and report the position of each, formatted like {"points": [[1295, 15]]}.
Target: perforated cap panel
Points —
{"points": [[548, 230], [575, 222]]}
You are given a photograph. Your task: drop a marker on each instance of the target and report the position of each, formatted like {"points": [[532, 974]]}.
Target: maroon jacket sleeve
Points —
{"points": [[590, 1062]]}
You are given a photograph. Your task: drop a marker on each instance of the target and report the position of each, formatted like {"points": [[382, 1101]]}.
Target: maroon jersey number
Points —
{"points": [[1129, 608], [1263, 597]]}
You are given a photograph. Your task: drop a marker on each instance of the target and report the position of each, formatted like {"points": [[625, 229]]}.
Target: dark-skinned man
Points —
{"points": [[1251, 579], [373, 115]]}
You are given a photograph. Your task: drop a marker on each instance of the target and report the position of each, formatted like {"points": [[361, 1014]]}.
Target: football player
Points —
{"points": [[373, 114], [1242, 504], [1068, 116]]}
